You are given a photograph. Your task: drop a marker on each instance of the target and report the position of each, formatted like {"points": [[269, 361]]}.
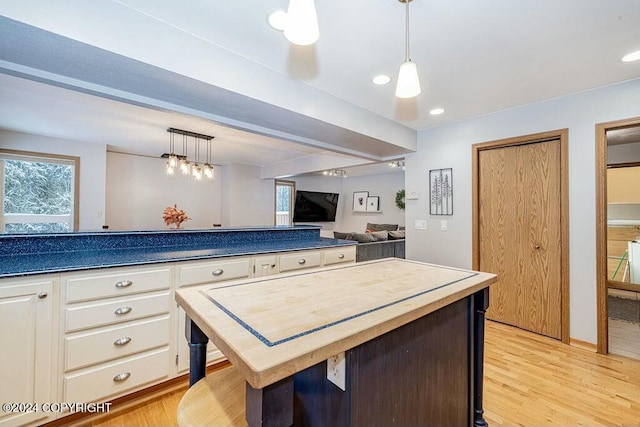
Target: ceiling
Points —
{"points": [[474, 57]]}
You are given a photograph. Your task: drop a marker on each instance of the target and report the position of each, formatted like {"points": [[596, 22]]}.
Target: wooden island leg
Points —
{"points": [[481, 303], [271, 406], [197, 351]]}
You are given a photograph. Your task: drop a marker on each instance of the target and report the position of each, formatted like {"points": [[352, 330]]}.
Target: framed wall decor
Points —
{"points": [[441, 191], [373, 204], [360, 201]]}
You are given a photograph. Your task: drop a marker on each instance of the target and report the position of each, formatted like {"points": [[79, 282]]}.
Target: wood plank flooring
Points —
{"points": [[529, 380], [624, 338]]}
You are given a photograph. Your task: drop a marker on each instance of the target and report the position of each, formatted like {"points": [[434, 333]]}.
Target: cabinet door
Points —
{"points": [[213, 354], [25, 345], [265, 266]]}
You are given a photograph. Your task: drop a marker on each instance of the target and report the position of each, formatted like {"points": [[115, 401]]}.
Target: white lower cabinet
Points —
{"points": [[117, 334], [26, 348], [96, 335]]}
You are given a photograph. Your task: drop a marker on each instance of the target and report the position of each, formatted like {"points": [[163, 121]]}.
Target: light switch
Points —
{"points": [[421, 224], [443, 225]]}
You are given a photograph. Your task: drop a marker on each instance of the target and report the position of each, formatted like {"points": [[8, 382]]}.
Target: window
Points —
{"points": [[285, 192], [39, 192]]}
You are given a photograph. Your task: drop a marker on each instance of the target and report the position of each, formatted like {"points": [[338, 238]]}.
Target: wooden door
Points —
{"points": [[520, 234]]}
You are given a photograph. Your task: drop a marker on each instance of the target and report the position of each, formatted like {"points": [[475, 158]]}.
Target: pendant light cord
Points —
{"points": [[407, 35]]}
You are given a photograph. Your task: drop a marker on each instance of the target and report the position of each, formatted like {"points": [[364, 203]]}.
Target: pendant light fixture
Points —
{"points": [[408, 84], [302, 22], [194, 168]]}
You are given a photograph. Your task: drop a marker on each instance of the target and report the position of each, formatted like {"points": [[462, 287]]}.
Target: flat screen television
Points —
{"points": [[313, 206]]}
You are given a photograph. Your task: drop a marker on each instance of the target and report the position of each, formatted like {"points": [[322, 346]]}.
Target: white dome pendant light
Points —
{"points": [[408, 84], [302, 22]]}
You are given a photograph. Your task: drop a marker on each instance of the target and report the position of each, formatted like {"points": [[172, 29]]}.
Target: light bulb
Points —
{"points": [[208, 170], [302, 22], [408, 84], [173, 160], [170, 169]]}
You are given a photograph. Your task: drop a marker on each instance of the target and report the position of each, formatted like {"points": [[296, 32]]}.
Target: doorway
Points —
{"points": [[285, 192], [618, 230], [521, 231]]}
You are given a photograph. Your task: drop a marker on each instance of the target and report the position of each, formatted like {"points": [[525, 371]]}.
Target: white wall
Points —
{"points": [[138, 190], [383, 185], [246, 199], [450, 146], [92, 169]]}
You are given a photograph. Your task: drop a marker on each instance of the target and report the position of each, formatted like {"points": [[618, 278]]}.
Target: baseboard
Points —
{"points": [[584, 345]]}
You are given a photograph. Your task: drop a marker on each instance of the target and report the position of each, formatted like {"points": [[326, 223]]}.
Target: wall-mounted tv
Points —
{"points": [[313, 206]]}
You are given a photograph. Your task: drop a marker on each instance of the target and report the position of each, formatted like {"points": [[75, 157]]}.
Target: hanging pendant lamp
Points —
{"points": [[408, 84], [302, 22]]}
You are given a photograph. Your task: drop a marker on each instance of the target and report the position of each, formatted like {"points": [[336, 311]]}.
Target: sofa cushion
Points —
{"points": [[343, 236], [380, 236], [395, 235], [363, 237], [381, 227]]}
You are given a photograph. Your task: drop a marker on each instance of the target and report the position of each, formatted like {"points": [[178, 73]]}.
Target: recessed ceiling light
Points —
{"points": [[277, 19], [436, 111], [381, 79], [633, 56]]}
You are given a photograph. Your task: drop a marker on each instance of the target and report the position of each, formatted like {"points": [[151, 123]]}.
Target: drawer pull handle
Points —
{"points": [[218, 272], [124, 284], [341, 256], [302, 261], [122, 341], [43, 295], [123, 310], [121, 377]]}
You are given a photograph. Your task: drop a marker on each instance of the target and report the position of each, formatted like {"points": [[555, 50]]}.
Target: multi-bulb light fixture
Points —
{"points": [[397, 164], [182, 162], [335, 172]]}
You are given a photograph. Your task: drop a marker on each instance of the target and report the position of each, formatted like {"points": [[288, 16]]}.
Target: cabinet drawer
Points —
{"points": [[213, 272], [347, 254], [115, 311], [94, 347], [117, 377], [299, 261], [110, 284]]}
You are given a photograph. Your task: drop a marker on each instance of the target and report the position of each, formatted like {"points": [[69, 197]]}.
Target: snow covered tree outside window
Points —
{"points": [[37, 194], [284, 202]]}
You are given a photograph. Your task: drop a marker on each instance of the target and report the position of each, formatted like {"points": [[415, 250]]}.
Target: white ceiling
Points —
{"points": [[474, 57]]}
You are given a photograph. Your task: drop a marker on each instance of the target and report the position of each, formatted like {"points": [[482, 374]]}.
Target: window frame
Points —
{"points": [[282, 182], [45, 158]]}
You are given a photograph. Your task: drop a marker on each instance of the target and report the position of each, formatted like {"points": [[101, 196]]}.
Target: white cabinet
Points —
{"points": [[265, 265], [300, 260], [116, 333], [26, 345]]}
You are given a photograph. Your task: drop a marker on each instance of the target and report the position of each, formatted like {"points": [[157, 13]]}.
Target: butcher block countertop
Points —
{"points": [[271, 328]]}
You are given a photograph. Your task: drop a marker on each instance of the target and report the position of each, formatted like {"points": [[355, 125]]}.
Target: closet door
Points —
{"points": [[520, 234]]}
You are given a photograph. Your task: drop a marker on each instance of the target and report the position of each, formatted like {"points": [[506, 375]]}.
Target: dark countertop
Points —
{"points": [[25, 263]]}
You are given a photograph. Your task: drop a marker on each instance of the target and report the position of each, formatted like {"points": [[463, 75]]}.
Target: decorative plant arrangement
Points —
{"points": [[400, 199], [173, 216]]}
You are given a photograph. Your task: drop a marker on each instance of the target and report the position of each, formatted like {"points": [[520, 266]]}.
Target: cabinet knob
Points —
{"points": [[123, 310], [302, 261], [217, 272], [43, 295], [341, 256], [121, 377], [124, 284], [122, 341]]}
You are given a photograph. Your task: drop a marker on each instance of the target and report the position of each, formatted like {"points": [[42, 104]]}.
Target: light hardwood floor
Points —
{"points": [[529, 380]]}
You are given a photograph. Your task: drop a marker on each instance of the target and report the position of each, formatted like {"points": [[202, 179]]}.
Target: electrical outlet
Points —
{"points": [[336, 370], [444, 225]]}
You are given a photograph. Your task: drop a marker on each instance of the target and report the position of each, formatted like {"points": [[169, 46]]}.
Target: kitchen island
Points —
{"points": [[412, 335]]}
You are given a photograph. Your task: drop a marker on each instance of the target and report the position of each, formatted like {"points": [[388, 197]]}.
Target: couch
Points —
{"points": [[378, 241]]}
